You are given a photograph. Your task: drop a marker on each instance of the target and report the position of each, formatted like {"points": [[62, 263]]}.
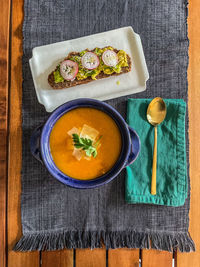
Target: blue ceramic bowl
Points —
{"points": [[41, 150]]}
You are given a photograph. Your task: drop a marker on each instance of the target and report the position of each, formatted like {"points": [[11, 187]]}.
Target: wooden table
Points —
{"points": [[10, 160]]}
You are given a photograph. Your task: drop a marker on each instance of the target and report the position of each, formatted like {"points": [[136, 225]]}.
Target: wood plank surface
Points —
{"points": [[155, 258], [4, 84], [62, 258], [90, 258], [193, 259], [86, 258], [16, 259], [123, 257]]}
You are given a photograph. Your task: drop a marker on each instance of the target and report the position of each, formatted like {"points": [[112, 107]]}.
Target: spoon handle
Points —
{"points": [[153, 178]]}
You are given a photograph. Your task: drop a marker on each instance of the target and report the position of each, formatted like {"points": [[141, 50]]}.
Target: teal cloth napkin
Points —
{"points": [[171, 155]]}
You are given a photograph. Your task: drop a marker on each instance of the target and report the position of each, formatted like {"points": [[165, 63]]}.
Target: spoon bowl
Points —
{"points": [[156, 114], [156, 111]]}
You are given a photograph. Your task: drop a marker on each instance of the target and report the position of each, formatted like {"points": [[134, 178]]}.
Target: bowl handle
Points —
{"points": [[135, 146], [35, 143]]}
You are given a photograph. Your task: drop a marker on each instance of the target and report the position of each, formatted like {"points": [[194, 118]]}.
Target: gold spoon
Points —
{"points": [[156, 113]]}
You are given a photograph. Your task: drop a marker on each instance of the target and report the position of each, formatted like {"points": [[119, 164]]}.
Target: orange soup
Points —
{"points": [[88, 123]]}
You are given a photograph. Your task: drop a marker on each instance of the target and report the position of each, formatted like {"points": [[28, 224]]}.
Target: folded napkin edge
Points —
{"points": [[177, 100], [157, 200]]}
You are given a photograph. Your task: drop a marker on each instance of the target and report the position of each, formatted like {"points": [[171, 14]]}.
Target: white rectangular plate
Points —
{"points": [[45, 59]]}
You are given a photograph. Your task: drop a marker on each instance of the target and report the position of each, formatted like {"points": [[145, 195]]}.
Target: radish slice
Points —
{"points": [[90, 61], [110, 58], [69, 69]]}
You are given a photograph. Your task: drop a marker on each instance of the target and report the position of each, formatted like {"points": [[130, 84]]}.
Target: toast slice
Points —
{"points": [[101, 75]]}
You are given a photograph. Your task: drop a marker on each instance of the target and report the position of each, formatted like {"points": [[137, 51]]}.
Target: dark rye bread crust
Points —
{"points": [[101, 75]]}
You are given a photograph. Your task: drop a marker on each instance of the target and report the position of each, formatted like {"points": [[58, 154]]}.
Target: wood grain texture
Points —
{"points": [[90, 258], [62, 258], [193, 259], [4, 84], [86, 258], [16, 259], [155, 258], [123, 257]]}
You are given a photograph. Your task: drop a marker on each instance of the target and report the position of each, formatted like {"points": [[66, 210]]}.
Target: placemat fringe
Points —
{"points": [[112, 240]]}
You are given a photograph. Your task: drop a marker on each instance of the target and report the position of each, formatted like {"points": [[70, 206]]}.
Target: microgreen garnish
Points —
{"points": [[86, 144]]}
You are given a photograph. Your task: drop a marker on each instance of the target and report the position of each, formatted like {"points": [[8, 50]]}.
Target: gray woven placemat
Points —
{"points": [[55, 216]]}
